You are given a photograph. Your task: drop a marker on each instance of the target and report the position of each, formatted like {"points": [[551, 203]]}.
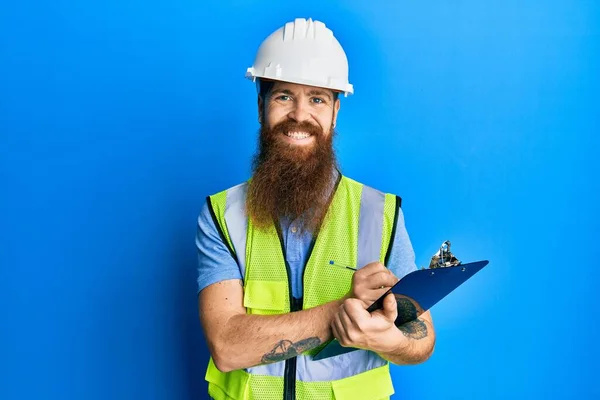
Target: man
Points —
{"points": [[273, 287]]}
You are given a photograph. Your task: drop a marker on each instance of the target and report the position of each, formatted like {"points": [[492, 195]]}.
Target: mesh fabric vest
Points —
{"points": [[357, 230]]}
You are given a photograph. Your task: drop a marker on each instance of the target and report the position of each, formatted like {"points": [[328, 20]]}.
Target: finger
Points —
{"points": [[364, 276], [345, 319], [369, 296], [355, 310], [390, 308], [372, 268], [340, 333], [385, 279]]}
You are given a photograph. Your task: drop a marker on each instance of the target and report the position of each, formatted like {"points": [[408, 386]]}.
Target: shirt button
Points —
{"points": [[294, 229]]}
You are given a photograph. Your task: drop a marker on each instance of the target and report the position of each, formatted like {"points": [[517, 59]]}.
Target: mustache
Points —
{"points": [[293, 126]]}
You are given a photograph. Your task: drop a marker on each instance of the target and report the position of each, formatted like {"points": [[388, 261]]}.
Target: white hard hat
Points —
{"points": [[303, 52]]}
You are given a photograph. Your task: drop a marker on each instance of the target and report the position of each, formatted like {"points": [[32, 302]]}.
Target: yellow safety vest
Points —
{"points": [[359, 227]]}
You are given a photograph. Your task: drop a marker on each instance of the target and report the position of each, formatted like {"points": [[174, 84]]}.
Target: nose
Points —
{"points": [[300, 112]]}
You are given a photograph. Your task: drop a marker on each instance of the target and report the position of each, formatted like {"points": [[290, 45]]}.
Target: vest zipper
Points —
{"points": [[289, 373], [289, 377]]}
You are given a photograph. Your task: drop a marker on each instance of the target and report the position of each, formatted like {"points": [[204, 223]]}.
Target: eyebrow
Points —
{"points": [[282, 91], [313, 92], [319, 93]]}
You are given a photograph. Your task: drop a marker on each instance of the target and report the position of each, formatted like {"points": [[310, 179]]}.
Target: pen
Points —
{"points": [[342, 266]]}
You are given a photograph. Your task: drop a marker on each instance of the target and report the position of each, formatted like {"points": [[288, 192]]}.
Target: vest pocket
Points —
{"points": [[266, 297], [226, 386], [375, 384]]}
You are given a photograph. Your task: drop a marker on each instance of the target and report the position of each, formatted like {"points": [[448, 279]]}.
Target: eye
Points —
{"points": [[283, 97], [318, 100]]}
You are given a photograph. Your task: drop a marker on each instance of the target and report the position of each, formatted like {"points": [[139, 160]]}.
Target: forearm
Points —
{"points": [[414, 343], [250, 340]]}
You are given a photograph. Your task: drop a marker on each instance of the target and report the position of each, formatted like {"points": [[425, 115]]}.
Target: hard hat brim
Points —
{"points": [[303, 82]]}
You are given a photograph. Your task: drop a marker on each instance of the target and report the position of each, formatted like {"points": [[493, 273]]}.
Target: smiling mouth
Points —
{"points": [[297, 135]]}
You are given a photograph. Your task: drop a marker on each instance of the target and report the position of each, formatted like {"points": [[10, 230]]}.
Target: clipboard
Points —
{"points": [[425, 286]]}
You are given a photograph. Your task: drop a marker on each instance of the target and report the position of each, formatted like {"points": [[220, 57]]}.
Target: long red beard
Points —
{"points": [[291, 181]]}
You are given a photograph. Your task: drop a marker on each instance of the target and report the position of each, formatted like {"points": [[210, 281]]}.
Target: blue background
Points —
{"points": [[118, 118]]}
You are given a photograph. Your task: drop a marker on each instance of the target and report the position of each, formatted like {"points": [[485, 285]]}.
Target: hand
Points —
{"points": [[370, 283], [354, 326]]}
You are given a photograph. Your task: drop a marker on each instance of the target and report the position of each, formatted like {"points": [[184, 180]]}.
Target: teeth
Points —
{"points": [[298, 135]]}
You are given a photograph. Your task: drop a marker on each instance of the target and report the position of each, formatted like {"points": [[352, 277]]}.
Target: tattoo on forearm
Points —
{"points": [[414, 329], [286, 349], [408, 319]]}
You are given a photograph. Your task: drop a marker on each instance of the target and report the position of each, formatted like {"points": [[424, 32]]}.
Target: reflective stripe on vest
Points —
{"points": [[374, 384], [358, 229]]}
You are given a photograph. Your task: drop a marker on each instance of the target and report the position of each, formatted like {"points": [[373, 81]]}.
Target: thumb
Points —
{"points": [[390, 308]]}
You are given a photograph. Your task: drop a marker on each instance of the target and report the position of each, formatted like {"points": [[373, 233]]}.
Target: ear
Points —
{"points": [[261, 110], [336, 109]]}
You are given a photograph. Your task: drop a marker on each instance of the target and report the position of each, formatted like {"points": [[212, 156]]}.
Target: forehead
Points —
{"points": [[295, 88]]}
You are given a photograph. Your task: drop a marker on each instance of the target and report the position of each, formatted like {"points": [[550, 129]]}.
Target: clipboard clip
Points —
{"points": [[444, 258]]}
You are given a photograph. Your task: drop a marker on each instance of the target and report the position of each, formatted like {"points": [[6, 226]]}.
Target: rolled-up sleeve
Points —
{"points": [[215, 262]]}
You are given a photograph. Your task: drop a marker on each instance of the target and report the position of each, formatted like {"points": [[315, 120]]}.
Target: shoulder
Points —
{"points": [[353, 182], [236, 189], [371, 192], [223, 199], [216, 203]]}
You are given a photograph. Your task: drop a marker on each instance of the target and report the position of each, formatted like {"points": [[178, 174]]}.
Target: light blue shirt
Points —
{"points": [[215, 262]]}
